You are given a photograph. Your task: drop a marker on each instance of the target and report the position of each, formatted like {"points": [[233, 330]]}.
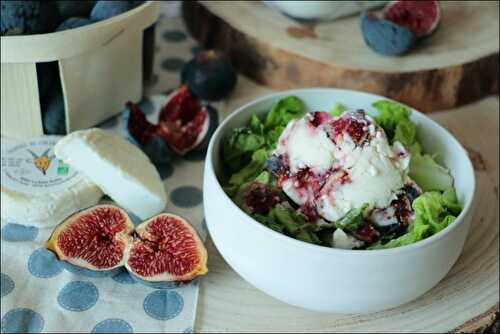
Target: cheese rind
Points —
{"points": [[118, 167], [47, 209]]}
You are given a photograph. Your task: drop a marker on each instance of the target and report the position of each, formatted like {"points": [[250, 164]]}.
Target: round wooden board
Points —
{"points": [[465, 301], [456, 65]]}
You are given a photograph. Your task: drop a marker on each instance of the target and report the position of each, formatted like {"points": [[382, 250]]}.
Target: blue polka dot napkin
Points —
{"points": [[40, 293]]}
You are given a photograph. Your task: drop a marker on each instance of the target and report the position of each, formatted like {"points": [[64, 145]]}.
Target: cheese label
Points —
{"points": [[31, 166]]}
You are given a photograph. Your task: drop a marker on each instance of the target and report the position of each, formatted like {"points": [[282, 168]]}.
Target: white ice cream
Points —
{"points": [[351, 174]]}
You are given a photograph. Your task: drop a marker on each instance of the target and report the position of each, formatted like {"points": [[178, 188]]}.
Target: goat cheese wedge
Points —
{"points": [[118, 167]]}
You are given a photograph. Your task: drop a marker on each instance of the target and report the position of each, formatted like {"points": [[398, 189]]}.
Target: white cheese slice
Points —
{"points": [[119, 168]]}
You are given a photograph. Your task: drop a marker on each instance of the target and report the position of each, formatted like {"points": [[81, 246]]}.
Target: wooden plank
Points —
{"points": [[446, 70], [20, 106]]}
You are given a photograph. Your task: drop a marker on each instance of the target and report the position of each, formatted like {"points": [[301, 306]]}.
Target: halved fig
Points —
{"points": [[167, 249], [95, 238], [421, 17], [183, 122]]}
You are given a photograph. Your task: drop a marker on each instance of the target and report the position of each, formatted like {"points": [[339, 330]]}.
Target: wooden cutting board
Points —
{"points": [[456, 65]]}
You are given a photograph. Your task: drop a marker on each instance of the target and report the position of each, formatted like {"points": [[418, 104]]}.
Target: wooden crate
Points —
{"points": [[100, 66]]}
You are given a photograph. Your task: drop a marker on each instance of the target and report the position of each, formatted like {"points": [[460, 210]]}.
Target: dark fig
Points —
{"points": [[28, 17], [420, 17], [74, 8], [385, 37], [158, 151], [209, 75], [73, 22], [53, 114], [105, 9], [47, 76]]}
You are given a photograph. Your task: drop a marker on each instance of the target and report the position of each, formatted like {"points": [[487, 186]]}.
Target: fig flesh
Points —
{"points": [[158, 252], [183, 123], [167, 249], [95, 238], [421, 17]]}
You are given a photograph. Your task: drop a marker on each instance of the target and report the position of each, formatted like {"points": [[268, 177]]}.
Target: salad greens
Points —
{"points": [[246, 151]]}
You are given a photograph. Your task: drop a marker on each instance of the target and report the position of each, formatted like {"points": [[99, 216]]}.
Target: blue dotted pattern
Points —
{"points": [[186, 196], [42, 263], [22, 320], [87, 272], [156, 285], [173, 64], [78, 296], [6, 285], [17, 232], [113, 326], [123, 277], [163, 305], [174, 35]]}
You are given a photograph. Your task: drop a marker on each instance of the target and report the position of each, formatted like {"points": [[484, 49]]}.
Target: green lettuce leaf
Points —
{"points": [[338, 109], [428, 174], [390, 114], [252, 170], [352, 220], [434, 211], [286, 109], [242, 142], [405, 133], [239, 147]]}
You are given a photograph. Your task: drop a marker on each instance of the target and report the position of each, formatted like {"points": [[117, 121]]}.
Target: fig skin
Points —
{"points": [[213, 122], [385, 37], [209, 75]]}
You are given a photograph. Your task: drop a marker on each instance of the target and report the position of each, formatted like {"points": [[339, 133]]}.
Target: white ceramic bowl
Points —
{"points": [[327, 279], [322, 10]]}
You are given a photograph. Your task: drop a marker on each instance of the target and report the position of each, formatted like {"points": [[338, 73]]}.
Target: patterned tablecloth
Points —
{"points": [[41, 294]]}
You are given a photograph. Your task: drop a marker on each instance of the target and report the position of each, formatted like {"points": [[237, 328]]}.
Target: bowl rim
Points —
{"points": [[467, 207]]}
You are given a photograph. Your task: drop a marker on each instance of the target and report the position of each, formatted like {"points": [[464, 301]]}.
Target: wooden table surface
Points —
{"points": [[469, 292], [465, 300]]}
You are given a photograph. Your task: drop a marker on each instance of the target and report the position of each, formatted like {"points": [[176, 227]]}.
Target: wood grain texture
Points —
{"points": [[464, 301], [20, 111], [457, 65]]}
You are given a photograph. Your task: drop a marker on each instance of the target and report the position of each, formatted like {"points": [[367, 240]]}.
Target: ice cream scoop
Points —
{"points": [[336, 164]]}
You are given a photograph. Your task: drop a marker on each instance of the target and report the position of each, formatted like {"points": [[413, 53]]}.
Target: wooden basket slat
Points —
{"points": [[96, 85], [20, 112]]}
